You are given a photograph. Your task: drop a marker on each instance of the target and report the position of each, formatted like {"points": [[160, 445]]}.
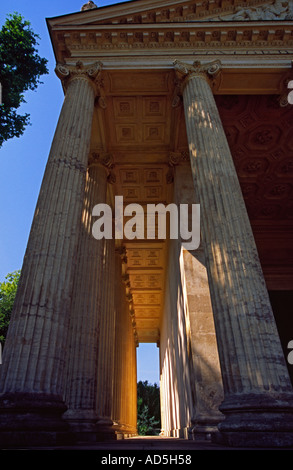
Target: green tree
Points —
{"points": [[8, 290], [148, 409], [20, 70]]}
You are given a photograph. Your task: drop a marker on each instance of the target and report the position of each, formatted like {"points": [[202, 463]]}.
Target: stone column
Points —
{"points": [[258, 395], [118, 353], [87, 312], [31, 391], [125, 384], [105, 362], [206, 381]]}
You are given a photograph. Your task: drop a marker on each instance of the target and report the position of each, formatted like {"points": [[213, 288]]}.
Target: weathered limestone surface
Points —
{"points": [[87, 311], [258, 392], [124, 413], [187, 339], [176, 385], [34, 355], [105, 362], [206, 373]]}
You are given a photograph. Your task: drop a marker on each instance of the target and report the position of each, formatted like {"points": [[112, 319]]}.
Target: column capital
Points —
{"points": [[91, 72], [176, 158], [104, 159], [184, 72]]}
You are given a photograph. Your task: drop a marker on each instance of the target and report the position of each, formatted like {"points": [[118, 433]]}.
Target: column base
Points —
{"points": [[105, 430], [256, 421], [88, 427], [204, 427], [83, 424], [33, 420], [202, 432], [123, 431], [266, 440]]}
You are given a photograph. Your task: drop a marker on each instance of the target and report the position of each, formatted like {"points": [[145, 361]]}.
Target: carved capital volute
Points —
{"points": [[175, 158], [92, 73], [211, 72], [105, 160]]}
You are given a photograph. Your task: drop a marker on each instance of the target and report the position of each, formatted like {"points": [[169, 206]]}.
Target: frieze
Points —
{"points": [[209, 10], [278, 10]]}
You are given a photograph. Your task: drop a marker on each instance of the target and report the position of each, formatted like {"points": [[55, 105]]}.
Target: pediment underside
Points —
{"points": [[140, 11]]}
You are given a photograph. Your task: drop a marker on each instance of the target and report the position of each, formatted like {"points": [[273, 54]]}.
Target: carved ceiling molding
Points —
{"points": [[121, 250], [259, 133]]}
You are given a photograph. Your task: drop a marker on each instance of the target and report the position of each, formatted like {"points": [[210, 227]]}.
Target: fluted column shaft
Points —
{"points": [[105, 363], [33, 362], [86, 311], [118, 353], [255, 376]]}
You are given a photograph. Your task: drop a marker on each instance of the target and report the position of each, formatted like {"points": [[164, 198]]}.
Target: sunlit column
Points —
{"points": [[105, 359], [125, 382], [132, 403], [34, 355], [86, 312], [258, 391], [119, 349]]}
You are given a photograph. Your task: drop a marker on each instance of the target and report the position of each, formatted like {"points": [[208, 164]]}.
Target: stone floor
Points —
{"points": [[148, 443]]}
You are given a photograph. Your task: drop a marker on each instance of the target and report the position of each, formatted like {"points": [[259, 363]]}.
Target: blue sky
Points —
{"points": [[23, 160]]}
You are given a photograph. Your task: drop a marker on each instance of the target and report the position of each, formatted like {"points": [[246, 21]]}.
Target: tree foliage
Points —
{"points": [[8, 290], [148, 409], [20, 70]]}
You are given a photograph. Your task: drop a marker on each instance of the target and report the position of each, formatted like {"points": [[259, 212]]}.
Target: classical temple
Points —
{"points": [[182, 102]]}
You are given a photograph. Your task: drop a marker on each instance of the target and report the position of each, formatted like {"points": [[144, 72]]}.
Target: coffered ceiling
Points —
{"points": [[142, 130]]}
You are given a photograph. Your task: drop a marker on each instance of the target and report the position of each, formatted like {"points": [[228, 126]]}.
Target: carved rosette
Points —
{"points": [[91, 72], [211, 72]]}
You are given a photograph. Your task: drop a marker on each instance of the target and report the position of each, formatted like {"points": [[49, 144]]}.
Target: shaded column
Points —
{"points": [[33, 364], [105, 362], [257, 390], [86, 312]]}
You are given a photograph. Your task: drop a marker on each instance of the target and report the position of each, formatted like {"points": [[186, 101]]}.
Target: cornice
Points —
{"points": [[219, 35]]}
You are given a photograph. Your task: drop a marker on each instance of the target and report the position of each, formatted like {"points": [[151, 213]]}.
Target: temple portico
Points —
{"points": [[164, 103]]}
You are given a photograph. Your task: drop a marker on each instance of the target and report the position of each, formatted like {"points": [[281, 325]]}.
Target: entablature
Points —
{"points": [[255, 36]]}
